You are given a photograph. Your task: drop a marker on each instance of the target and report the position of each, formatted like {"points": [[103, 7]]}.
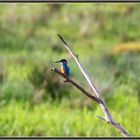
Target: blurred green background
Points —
{"points": [[35, 102]]}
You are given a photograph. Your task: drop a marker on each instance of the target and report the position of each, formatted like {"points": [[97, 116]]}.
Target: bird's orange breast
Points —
{"points": [[63, 71]]}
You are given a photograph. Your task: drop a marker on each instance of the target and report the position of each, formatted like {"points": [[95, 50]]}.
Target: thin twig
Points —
{"points": [[76, 85], [108, 118]]}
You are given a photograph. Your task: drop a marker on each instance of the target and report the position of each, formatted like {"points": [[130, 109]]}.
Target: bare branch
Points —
{"points": [[76, 85], [108, 118], [102, 118], [103, 106], [96, 99], [75, 56]]}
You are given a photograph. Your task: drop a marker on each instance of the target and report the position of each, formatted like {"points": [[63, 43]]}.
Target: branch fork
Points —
{"points": [[95, 96]]}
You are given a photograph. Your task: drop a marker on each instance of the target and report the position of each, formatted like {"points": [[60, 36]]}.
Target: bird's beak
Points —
{"points": [[56, 61]]}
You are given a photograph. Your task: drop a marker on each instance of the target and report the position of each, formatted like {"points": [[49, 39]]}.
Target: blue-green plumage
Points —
{"points": [[64, 67]]}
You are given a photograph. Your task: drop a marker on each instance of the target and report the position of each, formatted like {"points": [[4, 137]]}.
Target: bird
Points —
{"points": [[65, 70]]}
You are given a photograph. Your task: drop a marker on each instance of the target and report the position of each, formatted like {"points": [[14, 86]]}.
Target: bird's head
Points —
{"points": [[62, 61]]}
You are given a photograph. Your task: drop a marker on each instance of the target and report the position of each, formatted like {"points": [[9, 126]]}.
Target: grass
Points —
{"points": [[36, 102], [59, 119]]}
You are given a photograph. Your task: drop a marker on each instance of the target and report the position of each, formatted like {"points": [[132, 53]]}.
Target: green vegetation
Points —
{"points": [[34, 101]]}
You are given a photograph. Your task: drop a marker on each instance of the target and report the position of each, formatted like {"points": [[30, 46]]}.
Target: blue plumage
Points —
{"points": [[64, 67]]}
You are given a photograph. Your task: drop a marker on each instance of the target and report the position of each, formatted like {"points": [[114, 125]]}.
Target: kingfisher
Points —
{"points": [[64, 67]]}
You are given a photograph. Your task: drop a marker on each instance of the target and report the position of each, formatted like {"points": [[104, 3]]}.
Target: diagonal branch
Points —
{"points": [[103, 105], [108, 118], [76, 85], [80, 66], [96, 99]]}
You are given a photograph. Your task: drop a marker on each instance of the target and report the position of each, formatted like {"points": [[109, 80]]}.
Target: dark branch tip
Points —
{"points": [[62, 39], [59, 35]]}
